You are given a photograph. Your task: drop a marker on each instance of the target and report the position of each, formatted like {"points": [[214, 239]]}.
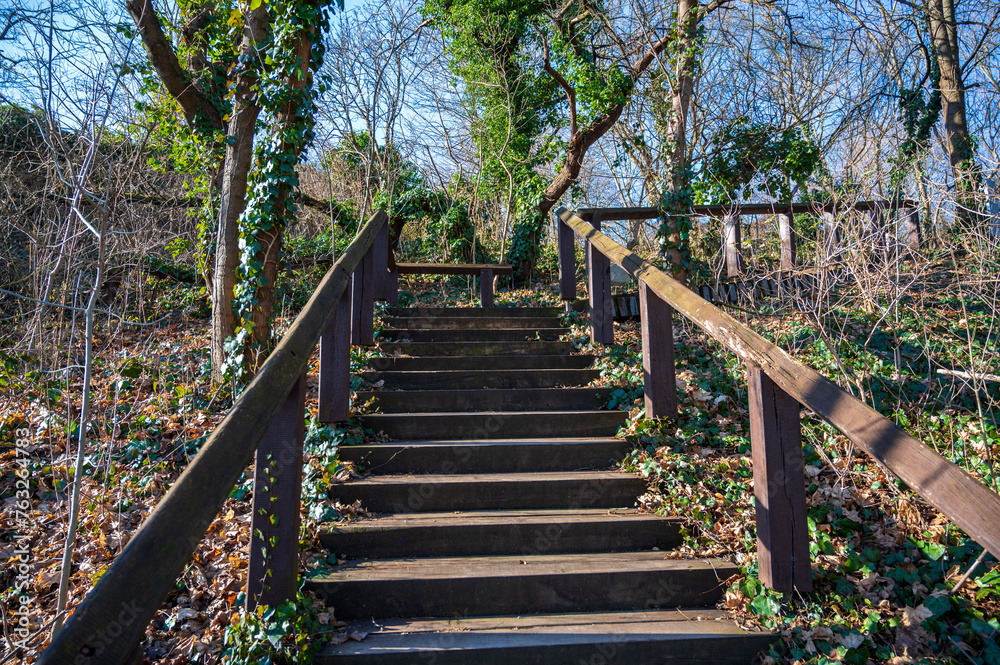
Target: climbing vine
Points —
{"points": [[683, 62], [286, 96], [918, 117], [452, 232], [755, 160]]}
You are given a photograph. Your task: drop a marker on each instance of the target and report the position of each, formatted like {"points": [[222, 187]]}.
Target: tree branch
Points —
{"points": [[561, 80], [193, 101]]}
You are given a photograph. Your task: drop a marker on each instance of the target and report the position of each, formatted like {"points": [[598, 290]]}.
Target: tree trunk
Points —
{"points": [[238, 159], [271, 239], [676, 247], [961, 155]]}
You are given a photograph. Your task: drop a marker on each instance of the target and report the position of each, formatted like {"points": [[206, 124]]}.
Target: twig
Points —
{"points": [[968, 375], [968, 573]]}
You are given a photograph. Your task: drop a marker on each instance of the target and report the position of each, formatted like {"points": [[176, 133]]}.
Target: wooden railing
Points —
{"points": [[267, 418], [785, 212], [778, 386]]}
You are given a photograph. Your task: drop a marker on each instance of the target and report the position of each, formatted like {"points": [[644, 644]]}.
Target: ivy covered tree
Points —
{"points": [[757, 161], [548, 80], [239, 61]]}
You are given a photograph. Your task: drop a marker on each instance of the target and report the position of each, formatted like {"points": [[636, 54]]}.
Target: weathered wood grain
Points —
{"points": [[599, 288], [789, 241], [731, 233], [779, 485], [658, 371], [273, 570], [335, 365], [567, 262], [451, 269]]}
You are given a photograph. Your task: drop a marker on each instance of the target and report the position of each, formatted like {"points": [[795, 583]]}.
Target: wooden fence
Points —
{"points": [[778, 386], [732, 229]]}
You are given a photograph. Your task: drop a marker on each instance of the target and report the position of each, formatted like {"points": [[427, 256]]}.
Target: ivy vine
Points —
{"points": [[286, 97]]}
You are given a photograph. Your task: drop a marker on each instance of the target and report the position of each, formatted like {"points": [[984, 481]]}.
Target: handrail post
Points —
{"points": [[732, 234], [277, 487], [599, 287], [779, 485], [486, 287], [335, 364], [658, 371], [363, 301], [831, 239], [786, 231], [386, 280], [567, 261], [912, 231]]}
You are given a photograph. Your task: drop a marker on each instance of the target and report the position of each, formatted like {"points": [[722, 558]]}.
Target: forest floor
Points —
{"points": [[886, 565]]}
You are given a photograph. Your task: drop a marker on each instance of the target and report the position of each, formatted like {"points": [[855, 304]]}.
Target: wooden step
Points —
{"points": [[495, 425], [521, 584], [466, 378], [496, 456], [525, 532], [446, 363], [471, 334], [695, 636], [435, 322], [533, 348], [488, 312], [500, 491], [434, 401]]}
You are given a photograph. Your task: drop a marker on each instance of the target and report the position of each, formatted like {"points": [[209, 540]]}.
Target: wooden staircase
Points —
{"points": [[502, 536]]}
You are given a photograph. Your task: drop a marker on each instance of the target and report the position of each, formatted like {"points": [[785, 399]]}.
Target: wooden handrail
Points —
{"points": [[720, 210], [957, 494], [110, 622]]}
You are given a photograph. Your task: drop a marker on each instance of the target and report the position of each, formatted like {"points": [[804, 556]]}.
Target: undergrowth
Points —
{"points": [[887, 567]]}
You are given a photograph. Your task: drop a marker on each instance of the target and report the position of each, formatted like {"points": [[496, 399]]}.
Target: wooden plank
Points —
{"points": [[380, 269], [878, 238], [363, 302], [621, 214], [965, 500], [567, 262], [486, 287], [912, 231], [142, 575], [779, 485], [273, 570], [831, 237], [386, 277], [658, 372], [335, 365], [786, 231], [731, 233], [599, 286], [451, 269]]}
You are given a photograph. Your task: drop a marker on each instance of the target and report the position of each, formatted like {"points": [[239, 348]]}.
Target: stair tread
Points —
{"points": [[522, 566], [444, 363], [521, 476], [489, 442], [470, 633], [497, 348], [505, 414], [474, 311], [489, 517]]}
